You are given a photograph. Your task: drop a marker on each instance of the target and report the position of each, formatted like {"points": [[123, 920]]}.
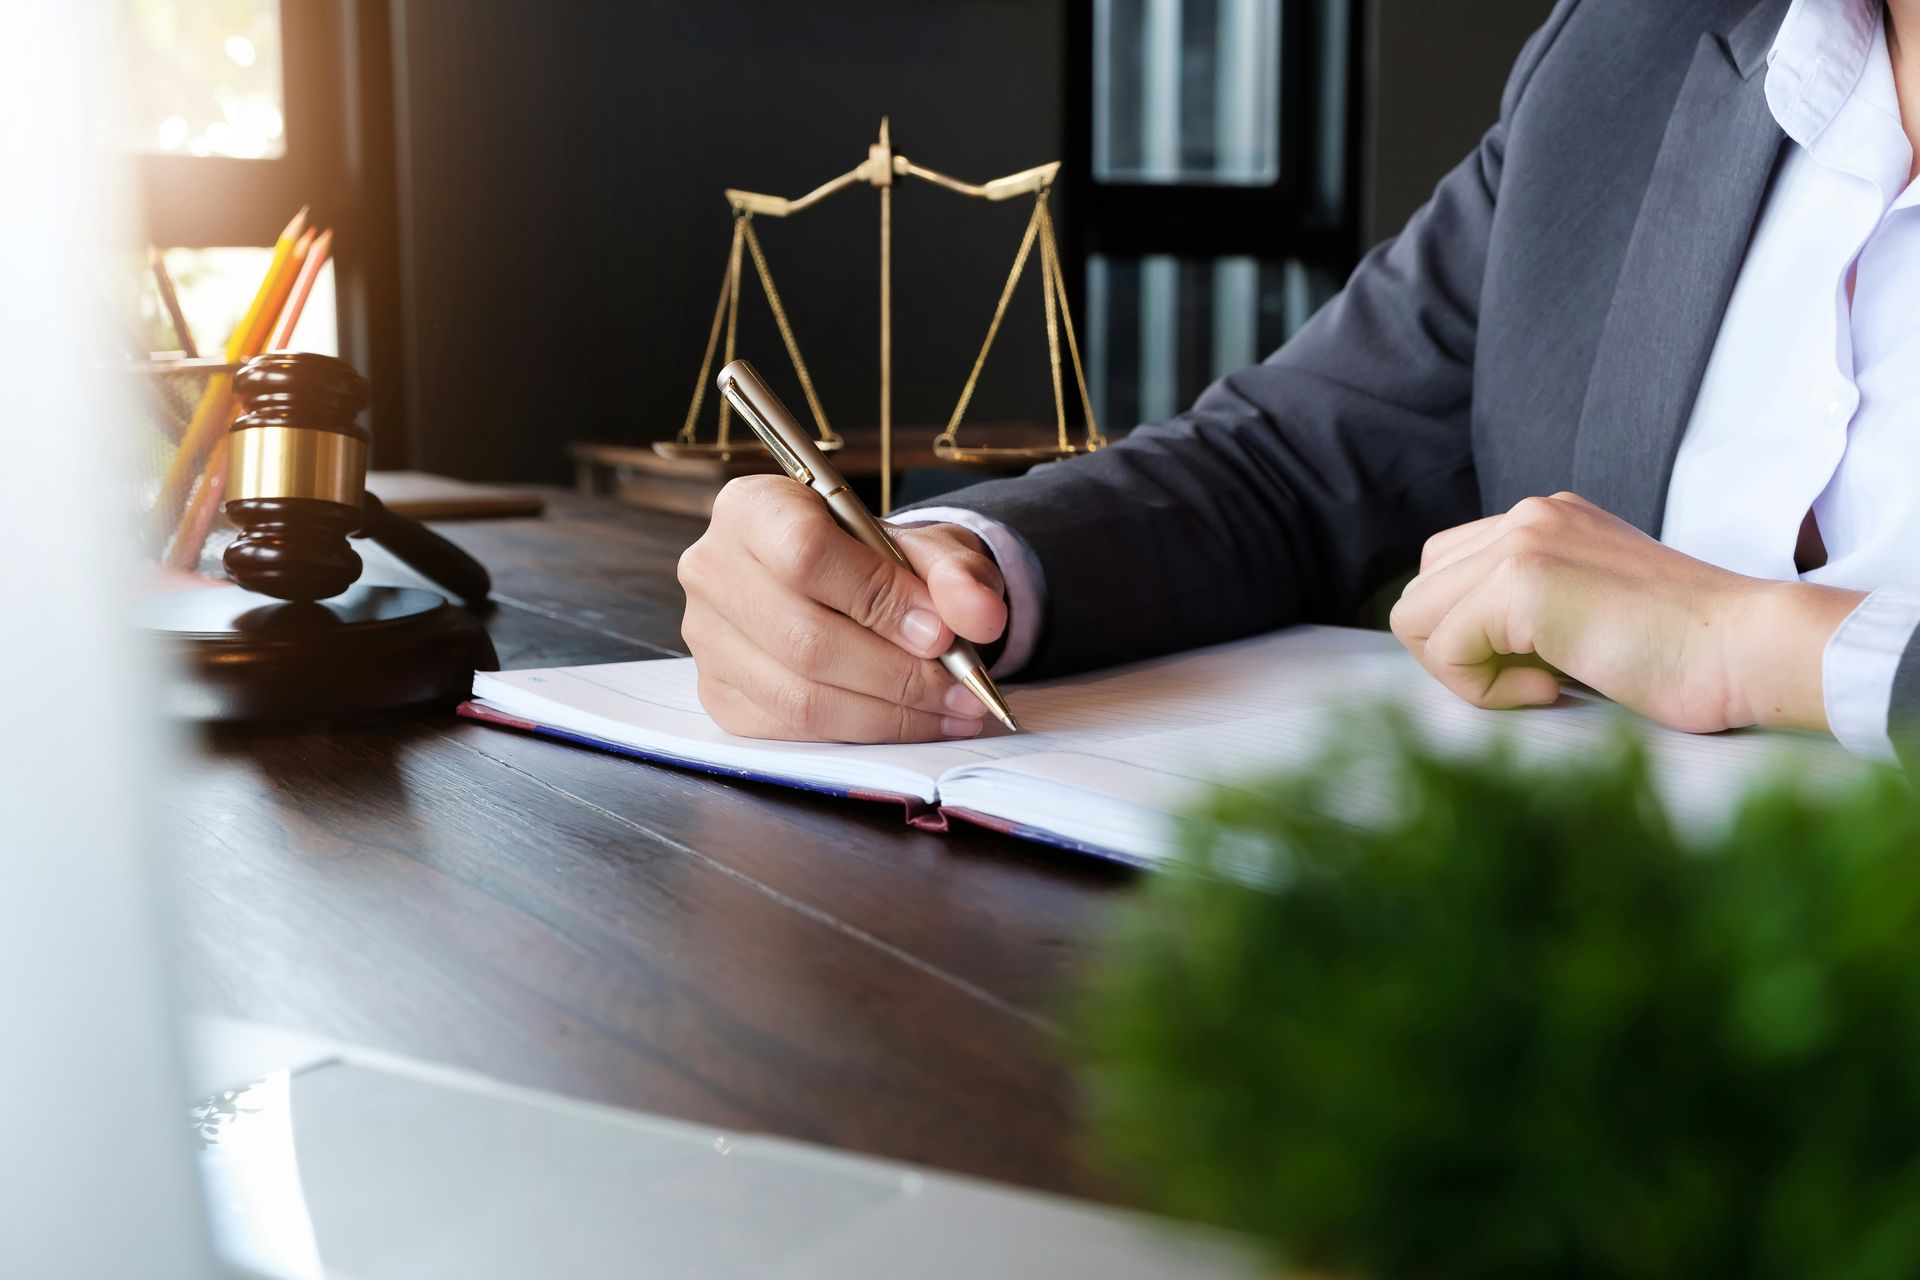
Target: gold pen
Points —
{"points": [[794, 450]]}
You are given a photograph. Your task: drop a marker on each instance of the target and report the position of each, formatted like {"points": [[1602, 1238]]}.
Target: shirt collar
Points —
{"points": [[1817, 62]]}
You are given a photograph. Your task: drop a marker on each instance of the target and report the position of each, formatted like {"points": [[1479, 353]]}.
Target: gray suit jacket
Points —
{"points": [[1542, 324]]}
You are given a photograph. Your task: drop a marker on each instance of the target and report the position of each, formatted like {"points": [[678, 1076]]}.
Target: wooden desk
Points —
{"points": [[737, 955]]}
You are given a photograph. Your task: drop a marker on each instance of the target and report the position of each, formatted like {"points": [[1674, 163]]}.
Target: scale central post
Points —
{"points": [[880, 174]]}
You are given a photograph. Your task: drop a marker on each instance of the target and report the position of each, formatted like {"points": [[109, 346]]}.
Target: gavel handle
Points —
{"points": [[426, 552]]}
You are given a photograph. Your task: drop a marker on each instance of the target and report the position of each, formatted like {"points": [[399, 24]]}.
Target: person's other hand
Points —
{"points": [[1503, 605], [800, 631]]}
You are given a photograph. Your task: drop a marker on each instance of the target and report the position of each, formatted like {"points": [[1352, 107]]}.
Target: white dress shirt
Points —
{"points": [[1811, 399]]}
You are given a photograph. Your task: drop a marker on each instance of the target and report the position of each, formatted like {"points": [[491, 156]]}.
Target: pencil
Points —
{"points": [[316, 259], [210, 416], [191, 537], [197, 523], [285, 274], [171, 301]]}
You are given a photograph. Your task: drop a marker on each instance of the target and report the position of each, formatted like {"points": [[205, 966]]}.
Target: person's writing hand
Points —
{"points": [[801, 632], [1557, 585]]}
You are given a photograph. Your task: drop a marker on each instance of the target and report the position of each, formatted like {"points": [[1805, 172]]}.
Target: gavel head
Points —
{"points": [[296, 476]]}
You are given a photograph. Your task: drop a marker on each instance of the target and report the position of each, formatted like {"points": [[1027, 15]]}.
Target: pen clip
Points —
{"points": [[782, 454]]}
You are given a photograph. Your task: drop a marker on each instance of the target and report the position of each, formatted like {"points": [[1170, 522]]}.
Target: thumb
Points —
{"points": [[965, 583]]}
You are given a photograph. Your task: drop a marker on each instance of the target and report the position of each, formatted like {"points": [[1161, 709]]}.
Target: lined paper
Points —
{"points": [[1107, 757]]}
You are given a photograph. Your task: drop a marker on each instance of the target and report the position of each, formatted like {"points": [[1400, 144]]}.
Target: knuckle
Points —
{"points": [[805, 548], [695, 565], [953, 540], [876, 598], [807, 646], [693, 632], [1525, 565], [797, 704], [745, 492], [1526, 541], [1534, 510], [916, 687], [979, 567], [1429, 551], [735, 500]]}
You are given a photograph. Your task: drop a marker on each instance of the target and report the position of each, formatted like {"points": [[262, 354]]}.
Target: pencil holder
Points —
{"points": [[168, 399]]}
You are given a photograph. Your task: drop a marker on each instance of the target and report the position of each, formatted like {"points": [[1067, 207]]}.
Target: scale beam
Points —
{"points": [[880, 170], [1025, 183]]}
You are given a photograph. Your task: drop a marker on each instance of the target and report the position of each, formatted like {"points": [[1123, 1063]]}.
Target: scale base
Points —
{"points": [[370, 652]]}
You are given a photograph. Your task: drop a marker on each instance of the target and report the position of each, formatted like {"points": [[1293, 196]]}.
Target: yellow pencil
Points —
{"points": [[285, 272], [211, 414], [243, 332]]}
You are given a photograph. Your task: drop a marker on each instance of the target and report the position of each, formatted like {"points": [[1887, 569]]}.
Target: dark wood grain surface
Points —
{"points": [[728, 953]]}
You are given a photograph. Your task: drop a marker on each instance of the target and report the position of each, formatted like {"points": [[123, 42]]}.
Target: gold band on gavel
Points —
{"points": [[296, 462]]}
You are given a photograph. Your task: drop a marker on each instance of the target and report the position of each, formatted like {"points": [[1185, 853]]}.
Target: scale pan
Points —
{"points": [[725, 452], [1008, 453]]}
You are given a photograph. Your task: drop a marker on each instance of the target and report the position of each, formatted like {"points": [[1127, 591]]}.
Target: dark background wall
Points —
{"points": [[561, 231], [1436, 69], [561, 167]]}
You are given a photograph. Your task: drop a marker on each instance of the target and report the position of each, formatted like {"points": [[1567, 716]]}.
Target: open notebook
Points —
{"points": [[1106, 760]]}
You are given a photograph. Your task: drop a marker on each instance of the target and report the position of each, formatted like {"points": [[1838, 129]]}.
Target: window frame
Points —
{"points": [[337, 82], [1286, 218]]}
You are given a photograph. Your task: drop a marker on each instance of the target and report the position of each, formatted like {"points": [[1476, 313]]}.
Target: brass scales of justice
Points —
{"points": [[882, 167]]}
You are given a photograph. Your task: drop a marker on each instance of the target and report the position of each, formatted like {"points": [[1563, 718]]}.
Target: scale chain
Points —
{"points": [[786, 335], [1048, 274], [946, 438], [740, 231], [1095, 440], [687, 434]]}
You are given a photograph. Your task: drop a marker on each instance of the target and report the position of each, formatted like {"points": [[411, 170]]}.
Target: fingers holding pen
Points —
{"points": [[966, 585], [758, 697], [794, 537], [801, 631], [817, 644]]}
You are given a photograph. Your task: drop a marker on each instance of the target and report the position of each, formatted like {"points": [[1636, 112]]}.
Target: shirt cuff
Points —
{"points": [[1858, 668], [1026, 592]]}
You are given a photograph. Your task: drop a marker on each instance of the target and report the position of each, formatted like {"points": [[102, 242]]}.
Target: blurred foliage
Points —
{"points": [[1529, 1030]]}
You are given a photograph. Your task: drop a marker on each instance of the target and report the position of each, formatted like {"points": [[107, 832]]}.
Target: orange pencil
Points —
{"points": [[316, 259], [210, 416]]}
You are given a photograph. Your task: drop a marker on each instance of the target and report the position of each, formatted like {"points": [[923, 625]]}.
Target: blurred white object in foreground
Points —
{"points": [[95, 1172]]}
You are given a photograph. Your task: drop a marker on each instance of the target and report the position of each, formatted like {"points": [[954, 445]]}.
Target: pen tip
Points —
{"points": [[980, 684]]}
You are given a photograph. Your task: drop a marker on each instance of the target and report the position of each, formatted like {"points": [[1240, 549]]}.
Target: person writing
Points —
{"points": [[1637, 393]]}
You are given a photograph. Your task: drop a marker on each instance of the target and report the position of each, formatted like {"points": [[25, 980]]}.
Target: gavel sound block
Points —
{"points": [[297, 639]]}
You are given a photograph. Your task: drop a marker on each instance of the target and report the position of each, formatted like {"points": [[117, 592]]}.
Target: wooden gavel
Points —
{"points": [[296, 488]]}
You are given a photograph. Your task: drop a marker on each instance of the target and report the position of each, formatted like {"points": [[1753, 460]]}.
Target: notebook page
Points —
{"points": [[1105, 758], [1301, 690], [653, 707]]}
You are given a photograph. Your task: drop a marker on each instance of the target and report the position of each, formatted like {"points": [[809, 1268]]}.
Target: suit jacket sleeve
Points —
{"points": [[1903, 707], [1291, 490]]}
